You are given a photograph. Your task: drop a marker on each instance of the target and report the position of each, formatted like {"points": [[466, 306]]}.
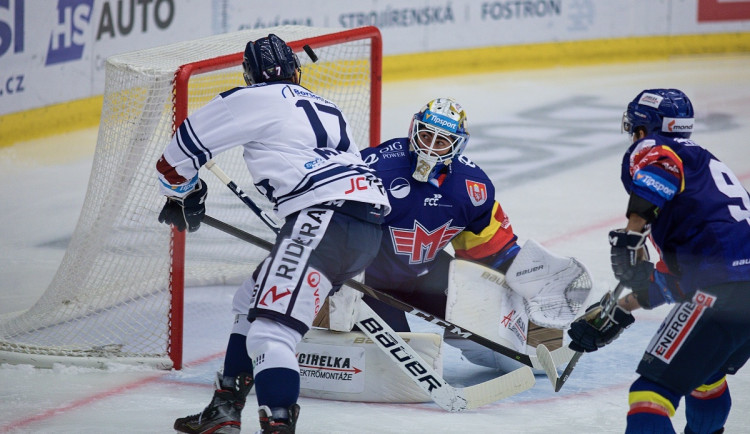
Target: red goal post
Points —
{"points": [[119, 293]]}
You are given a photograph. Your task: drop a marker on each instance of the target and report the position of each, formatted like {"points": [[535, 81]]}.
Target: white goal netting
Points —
{"points": [[113, 297]]}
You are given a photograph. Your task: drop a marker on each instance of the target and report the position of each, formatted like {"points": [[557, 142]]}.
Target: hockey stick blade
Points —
{"points": [[545, 359], [449, 398], [388, 299]]}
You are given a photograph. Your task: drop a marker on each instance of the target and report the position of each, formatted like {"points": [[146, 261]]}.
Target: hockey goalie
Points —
{"points": [[517, 297]]}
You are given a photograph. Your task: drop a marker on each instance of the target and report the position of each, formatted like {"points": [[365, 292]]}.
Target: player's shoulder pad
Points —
{"points": [[387, 154]]}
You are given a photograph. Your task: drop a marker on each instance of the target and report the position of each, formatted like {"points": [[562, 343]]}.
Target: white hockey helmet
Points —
{"points": [[437, 135]]}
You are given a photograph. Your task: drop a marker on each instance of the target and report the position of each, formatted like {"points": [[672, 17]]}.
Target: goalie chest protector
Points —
{"points": [[437, 210]]}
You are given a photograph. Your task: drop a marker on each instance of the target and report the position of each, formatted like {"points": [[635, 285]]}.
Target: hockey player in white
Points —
{"points": [[299, 150]]}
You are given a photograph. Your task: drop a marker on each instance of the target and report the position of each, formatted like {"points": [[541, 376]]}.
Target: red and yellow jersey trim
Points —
{"points": [[492, 239], [663, 157]]}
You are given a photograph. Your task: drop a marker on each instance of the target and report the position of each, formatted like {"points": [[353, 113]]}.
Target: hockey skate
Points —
{"points": [[279, 420], [222, 415]]}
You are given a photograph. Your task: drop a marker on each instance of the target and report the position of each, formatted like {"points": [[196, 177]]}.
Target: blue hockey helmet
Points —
{"points": [[667, 112], [269, 59], [437, 135]]}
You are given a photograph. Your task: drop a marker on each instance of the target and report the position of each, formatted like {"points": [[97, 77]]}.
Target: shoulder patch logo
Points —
{"points": [[477, 192]]}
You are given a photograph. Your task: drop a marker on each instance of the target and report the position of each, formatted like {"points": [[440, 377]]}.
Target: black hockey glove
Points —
{"points": [[592, 331], [186, 212], [626, 264]]}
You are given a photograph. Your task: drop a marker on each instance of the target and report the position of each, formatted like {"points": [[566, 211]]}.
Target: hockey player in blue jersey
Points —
{"points": [[439, 196], [282, 128], [697, 214]]}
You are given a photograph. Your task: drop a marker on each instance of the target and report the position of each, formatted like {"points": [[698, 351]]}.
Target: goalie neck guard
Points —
{"points": [[437, 135]]}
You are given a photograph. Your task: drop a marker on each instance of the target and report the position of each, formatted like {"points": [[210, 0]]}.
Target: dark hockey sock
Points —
{"points": [[651, 407], [277, 387], [236, 360], [640, 423], [707, 408]]}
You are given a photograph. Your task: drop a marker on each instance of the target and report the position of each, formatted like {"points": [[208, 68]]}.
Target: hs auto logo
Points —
{"points": [[68, 35]]}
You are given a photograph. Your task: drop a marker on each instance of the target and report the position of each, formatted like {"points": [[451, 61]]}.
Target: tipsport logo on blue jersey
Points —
{"points": [[67, 38], [440, 121]]}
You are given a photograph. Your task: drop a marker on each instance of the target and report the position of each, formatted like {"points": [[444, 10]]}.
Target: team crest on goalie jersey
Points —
{"points": [[477, 192], [420, 244]]}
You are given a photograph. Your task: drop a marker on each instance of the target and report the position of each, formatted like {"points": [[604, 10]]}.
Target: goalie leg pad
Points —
{"points": [[351, 367], [478, 301]]}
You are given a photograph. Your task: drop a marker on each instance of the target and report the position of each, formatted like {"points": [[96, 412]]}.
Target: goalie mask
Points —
{"points": [[668, 112], [269, 59], [437, 135]]}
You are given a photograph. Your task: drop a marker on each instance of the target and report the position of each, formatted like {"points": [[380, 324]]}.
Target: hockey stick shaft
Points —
{"points": [[449, 398], [605, 312], [216, 170], [386, 298]]}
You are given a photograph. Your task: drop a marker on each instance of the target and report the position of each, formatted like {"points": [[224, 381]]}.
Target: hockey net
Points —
{"points": [[118, 293]]}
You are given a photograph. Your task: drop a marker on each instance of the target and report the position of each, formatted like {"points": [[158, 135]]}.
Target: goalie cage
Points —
{"points": [[117, 295]]}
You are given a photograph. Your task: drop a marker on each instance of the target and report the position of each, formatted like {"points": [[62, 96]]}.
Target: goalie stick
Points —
{"points": [[530, 361], [443, 394], [603, 313]]}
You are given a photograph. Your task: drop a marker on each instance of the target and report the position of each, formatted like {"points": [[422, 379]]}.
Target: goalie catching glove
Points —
{"points": [[186, 212], [595, 330]]}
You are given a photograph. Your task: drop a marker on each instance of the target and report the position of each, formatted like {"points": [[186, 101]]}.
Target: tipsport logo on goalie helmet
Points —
{"points": [[440, 121], [437, 135]]}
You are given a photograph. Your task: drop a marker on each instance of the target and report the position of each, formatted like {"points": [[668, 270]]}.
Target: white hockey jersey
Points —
{"points": [[297, 145]]}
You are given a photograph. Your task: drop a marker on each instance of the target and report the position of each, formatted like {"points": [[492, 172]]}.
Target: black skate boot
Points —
{"points": [[279, 420], [222, 416]]}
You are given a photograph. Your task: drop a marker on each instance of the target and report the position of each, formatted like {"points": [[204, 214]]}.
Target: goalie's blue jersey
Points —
{"points": [[703, 226], [456, 207]]}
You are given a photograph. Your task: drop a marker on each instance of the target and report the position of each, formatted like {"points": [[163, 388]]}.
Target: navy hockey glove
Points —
{"points": [[186, 212], [626, 263], [590, 332]]}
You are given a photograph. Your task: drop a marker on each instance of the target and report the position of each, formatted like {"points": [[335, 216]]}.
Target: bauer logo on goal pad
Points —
{"points": [[477, 192]]}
